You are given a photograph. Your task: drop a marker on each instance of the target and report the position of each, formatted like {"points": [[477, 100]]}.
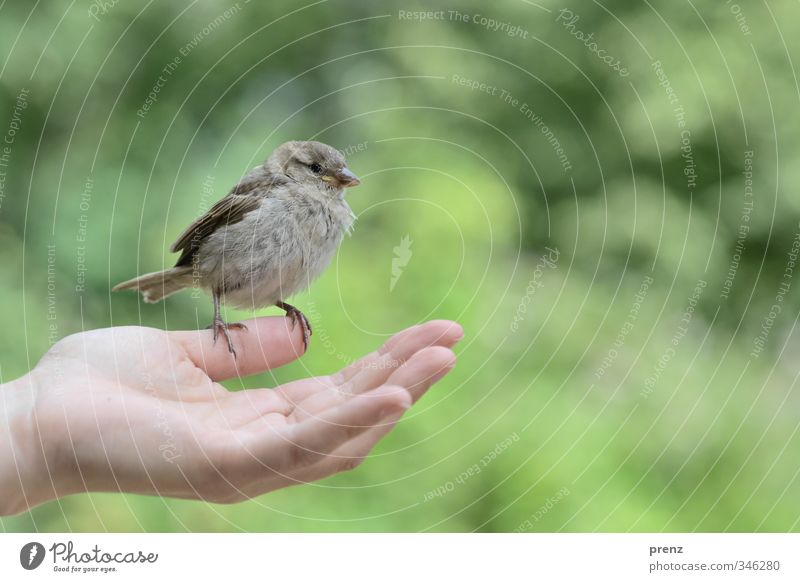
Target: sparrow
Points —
{"points": [[267, 239]]}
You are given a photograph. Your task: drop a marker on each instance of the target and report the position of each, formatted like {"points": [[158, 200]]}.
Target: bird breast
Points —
{"points": [[274, 251]]}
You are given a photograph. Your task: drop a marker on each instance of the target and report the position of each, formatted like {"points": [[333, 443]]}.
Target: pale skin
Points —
{"points": [[140, 410]]}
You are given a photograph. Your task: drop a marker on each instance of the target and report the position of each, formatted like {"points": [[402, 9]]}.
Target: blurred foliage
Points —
{"points": [[480, 190]]}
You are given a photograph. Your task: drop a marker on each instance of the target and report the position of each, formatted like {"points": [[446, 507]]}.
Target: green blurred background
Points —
{"points": [[611, 236]]}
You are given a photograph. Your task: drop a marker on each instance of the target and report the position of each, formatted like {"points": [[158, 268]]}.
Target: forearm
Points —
{"points": [[24, 476]]}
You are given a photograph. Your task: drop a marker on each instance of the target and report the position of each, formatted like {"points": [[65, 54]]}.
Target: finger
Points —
{"points": [[440, 332], [313, 466], [318, 436], [355, 450], [348, 456], [268, 342], [376, 368], [324, 392], [417, 375], [248, 408], [299, 391], [424, 369], [317, 402], [344, 443]]}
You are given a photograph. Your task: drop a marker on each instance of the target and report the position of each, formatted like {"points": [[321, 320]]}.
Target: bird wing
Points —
{"points": [[245, 197]]}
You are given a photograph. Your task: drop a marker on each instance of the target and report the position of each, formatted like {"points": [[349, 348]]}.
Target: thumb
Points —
{"points": [[268, 342]]}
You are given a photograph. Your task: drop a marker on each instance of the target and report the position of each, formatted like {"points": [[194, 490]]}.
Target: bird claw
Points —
{"points": [[220, 326], [298, 317]]}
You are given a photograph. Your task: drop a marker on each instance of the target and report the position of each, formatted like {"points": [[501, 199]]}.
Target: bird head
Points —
{"points": [[312, 163]]}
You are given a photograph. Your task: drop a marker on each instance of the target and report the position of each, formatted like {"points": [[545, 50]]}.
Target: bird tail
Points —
{"points": [[156, 286]]}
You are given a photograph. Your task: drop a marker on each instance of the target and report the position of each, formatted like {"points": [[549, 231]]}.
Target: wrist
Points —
{"points": [[24, 476]]}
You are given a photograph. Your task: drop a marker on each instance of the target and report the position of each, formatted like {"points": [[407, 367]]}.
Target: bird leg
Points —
{"points": [[219, 326], [297, 316]]}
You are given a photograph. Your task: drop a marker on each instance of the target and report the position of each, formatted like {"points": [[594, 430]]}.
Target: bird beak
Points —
{"points": [[346, 178]]}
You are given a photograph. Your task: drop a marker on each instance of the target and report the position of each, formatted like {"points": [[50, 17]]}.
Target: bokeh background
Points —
{"points": [[607, 203]]}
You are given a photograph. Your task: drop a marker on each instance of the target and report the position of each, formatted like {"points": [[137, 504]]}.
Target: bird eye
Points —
{"points": [[316, 168]]}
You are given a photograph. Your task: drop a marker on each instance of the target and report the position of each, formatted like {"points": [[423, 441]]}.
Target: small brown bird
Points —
{"points": [[273, 233]]}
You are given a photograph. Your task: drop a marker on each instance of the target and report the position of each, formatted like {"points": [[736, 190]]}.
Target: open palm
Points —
{"points": [[140, 410]]}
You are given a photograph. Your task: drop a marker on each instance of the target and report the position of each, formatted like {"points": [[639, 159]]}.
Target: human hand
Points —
{"points": [[140, 410]]}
